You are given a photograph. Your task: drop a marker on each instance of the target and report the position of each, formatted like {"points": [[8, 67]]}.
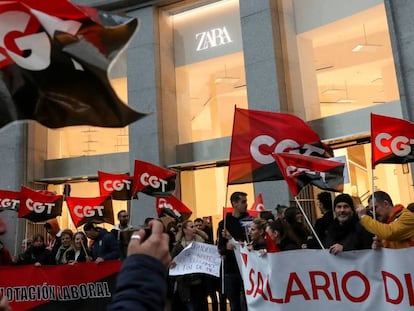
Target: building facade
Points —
{"points": [[330, 62]]}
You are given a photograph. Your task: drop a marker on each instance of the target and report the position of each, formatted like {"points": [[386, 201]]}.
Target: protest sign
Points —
{"points": [[316, 280], [197, 258], [83, 286]]}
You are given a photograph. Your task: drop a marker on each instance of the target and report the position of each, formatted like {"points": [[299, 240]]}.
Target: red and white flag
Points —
{"points": [[37, 206], [172, 206], [9, 200], [258, 204], [55, 58], [117, 186], [153, 180], [300, 170], [258, 134], [392, 140], [83, 210]]}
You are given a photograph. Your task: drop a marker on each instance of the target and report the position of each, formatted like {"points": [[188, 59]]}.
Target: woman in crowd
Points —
{"points": [[257, 235], [296, 233], [274, 236], [191, 290], [77, 252], [37, 253], [65, 243]]}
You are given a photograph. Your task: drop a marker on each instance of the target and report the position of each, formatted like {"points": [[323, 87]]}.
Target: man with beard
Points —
{"points": [[346, 233], [122, 232], [394, 227]]}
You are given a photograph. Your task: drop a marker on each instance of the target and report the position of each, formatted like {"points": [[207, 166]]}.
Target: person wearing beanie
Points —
{"points": [[346, 233]]}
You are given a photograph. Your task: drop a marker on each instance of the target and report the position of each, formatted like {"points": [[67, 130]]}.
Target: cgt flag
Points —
{"points": [[392, 140], [83, 210], [258, 134], [117, 186], [153, 180], [300, 170], [55, 60], [258, 204], [9, 200], [39, 206], [172, 206]]}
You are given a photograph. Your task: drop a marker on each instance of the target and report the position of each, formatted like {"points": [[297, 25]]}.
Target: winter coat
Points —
{"points": [[398, 232]]}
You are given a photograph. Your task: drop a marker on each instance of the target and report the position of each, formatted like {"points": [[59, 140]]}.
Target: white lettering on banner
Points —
{"points": [[399, 145], [316, 280], [88, 211], [37, 43], [266, 140], [153, 181], [39, 207], [296, 171], [117, 185], [212, 38], [9, 203], [197, 258]]}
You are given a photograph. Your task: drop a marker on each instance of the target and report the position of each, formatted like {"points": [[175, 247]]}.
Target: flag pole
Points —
{"points": [[374, 216], [309, 223]]}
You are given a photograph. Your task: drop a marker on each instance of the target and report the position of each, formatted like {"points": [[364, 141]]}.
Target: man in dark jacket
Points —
{"points": [[141, 284], [236, 226], [346, 232], [104, 246]]}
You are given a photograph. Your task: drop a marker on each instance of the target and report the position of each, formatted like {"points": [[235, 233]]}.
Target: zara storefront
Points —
{"points": [[191, 62]]}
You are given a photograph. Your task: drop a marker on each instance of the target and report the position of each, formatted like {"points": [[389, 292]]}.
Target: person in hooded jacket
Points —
{"points": [[346, 233]]}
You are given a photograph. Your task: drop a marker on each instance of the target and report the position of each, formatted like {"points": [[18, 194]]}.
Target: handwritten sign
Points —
{"points": [[197, 258]]}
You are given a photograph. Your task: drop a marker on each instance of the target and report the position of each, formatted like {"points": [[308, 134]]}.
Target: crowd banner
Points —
{"points": [[315, 280], [197, 258], [83, 286]]}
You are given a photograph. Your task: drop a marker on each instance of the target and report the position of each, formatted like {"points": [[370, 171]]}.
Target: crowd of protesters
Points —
{"points": [[343, 226]]}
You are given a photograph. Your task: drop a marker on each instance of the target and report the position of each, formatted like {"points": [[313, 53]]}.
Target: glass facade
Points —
{"points": [[347, 63], [209, 70]]}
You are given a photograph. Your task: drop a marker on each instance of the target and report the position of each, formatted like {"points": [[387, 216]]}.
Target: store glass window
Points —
{"points": [[205, 192], [346, 63], [76, 141], [209, 70], [395, 179]]}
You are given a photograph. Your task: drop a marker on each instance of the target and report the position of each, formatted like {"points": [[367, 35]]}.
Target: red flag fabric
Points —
{"points": [[258, 134], [83, 210], [392, 140], [300, 170], [172, 206], [117, 186], [82, 287], [271, 246], [55, 59], [36, 206], [153, 180], [258, 204], [9, 200]]}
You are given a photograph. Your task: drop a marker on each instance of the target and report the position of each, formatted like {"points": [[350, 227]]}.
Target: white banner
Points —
{"points": [[197, 258], [315, 280]]}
